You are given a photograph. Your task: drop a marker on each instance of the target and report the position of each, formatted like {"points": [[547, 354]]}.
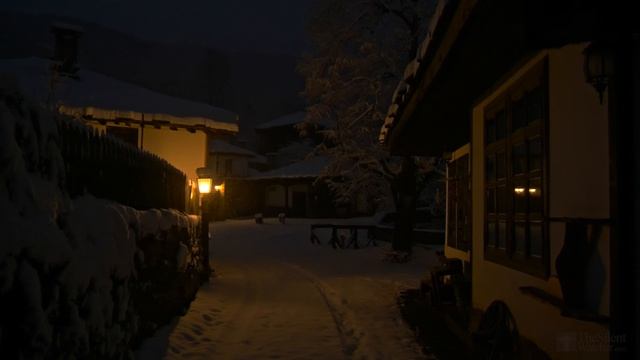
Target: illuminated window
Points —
{"points": [[515, 230]]}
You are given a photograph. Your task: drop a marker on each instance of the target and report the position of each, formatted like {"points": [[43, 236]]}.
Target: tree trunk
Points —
{"points": [[405, 201]]}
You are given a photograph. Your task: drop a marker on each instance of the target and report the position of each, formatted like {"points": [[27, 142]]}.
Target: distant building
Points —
{"points": [[278, 133], [228, 161], [291, 189], [175, 129]]}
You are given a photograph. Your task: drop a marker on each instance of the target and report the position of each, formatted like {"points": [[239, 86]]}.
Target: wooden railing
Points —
{"points": [[109, 168]]}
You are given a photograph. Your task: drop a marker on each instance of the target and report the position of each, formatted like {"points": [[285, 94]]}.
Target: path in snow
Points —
{"points": [[277, 296]]}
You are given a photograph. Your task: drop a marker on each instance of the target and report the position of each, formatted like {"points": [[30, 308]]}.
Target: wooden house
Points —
{"points": [[175, 129], [535, 105]]}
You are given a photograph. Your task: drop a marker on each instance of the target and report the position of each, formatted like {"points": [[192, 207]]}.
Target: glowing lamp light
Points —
{"points": [[519, 190], [533, 191], [219, 188], [204, 185]]}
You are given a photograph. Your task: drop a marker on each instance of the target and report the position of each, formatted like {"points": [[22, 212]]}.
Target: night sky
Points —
{"points": [[273, 26]]}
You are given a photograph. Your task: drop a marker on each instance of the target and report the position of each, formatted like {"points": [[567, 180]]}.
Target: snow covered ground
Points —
{"points": [[276, 296]]}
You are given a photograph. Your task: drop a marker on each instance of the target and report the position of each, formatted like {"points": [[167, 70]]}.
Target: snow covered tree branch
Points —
{"points": [[360, 49]]}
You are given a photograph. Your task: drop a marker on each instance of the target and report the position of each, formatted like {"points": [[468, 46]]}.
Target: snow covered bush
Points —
{"points": [[76, 275]]}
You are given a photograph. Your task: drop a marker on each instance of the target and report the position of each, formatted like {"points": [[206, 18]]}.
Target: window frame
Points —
{"points": [[455, 230], [536, 79]]}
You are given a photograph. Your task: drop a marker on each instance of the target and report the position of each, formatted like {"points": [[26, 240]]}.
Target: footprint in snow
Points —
{"points": [[188, 337], [197, 329]]}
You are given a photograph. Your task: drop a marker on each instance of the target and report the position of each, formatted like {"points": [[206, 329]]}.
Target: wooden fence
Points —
{"points": [[109, 168]]}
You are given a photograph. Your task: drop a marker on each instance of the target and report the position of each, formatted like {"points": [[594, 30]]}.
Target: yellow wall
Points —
{"points": [[449, 251], [182, 149], [578, 187]]}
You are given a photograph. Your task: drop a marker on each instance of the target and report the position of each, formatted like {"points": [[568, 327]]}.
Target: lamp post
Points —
{"points": [[598, 66], [205, 185]]}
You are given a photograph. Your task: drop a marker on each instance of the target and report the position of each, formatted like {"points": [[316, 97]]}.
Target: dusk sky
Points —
{"points": [[275, 26]]}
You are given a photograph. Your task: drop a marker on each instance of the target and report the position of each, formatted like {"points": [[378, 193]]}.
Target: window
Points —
{"points": [[126, 134], [228, 166], [515, 230], [458, 204]]}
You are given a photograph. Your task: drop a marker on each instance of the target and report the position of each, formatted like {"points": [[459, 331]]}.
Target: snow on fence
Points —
{"points": [[83, 278], [109, 168]]}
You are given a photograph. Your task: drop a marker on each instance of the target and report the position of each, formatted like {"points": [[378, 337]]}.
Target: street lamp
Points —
{"points": [[204, 185], [205, 182], [598, 66]]}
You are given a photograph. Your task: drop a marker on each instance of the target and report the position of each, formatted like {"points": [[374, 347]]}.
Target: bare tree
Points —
{"points": [[360, 49]]}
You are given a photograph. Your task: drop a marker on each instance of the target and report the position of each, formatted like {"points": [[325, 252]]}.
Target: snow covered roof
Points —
{"points": [[102, 97], [286, 120], [223, 147], [259, 159], [309, 168], [66, 26], [405, 89]]}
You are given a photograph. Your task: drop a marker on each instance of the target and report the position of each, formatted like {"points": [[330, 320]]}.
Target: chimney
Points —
{"points": [[66, 47]]}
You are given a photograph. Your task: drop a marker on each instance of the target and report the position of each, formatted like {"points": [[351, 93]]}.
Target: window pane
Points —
{"points": [[462, 166], [491, 201], [535, 108], [519, 115], [491, 234], [519, 155], [501, 199], [491, 168], [535, 154], [502, 234], [501, 125], [535, 233], [501, 165], [520, 197], [520, 238], [451, 167], [535, 196], [490, 131]]}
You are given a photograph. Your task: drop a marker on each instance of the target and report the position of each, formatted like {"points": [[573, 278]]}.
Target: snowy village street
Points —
{"points": [[275, 295]]}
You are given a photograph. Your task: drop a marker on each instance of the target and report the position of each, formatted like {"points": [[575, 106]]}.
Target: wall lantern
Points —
{"points": [[205, 180], [204, 185], [598, 67]]}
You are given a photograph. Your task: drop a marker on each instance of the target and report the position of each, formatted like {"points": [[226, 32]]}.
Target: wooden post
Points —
{"points": [[204, 234]]}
